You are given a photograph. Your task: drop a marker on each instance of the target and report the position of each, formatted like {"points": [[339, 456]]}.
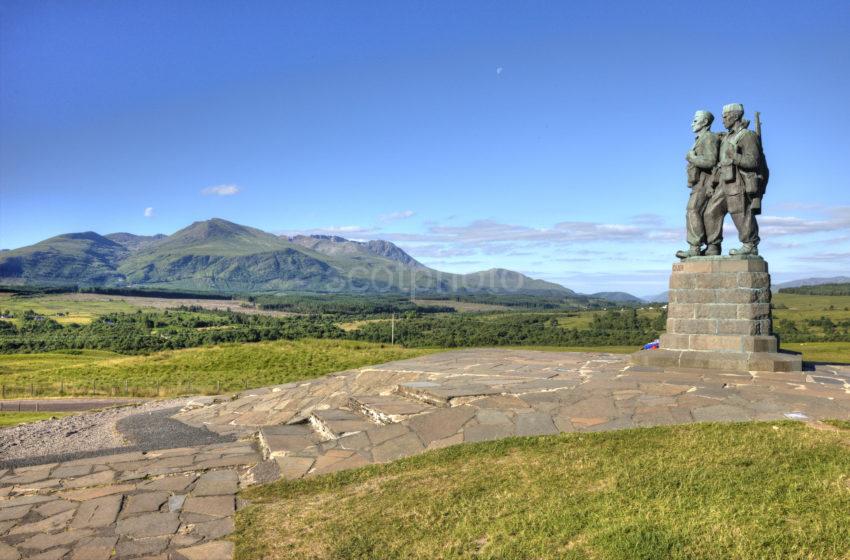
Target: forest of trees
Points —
{"points": [[349, 306], [607, 328], [143, 332], [415, 326], [523, 301], [842, 289], [823, 329]]}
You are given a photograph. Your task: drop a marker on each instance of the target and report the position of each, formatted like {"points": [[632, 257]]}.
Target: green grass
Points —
{"points": [[705, 491], [833, 352], [799, 307], [9, 419], [206, 369], [842, 424]]}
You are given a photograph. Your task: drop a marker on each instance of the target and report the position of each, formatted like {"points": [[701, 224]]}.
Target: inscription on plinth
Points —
{"points": [[719, 317]]}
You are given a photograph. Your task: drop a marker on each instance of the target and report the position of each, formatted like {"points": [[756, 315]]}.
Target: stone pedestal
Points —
{"points": [[719, 317]]}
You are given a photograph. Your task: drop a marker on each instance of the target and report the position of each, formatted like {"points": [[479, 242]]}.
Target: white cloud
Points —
{"points": [[492, 237], [220, 190], [482, 233], [393, 216], [826, 257], [441, 251], [149, 212], [343, 231]]}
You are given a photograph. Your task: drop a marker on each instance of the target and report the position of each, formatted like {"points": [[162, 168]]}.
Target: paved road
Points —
{"points": [[64, 405], [157, 430], [145, 431]]}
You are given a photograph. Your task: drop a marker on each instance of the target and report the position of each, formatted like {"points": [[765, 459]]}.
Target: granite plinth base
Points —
{"points": [[725, 361], [719, 317]]}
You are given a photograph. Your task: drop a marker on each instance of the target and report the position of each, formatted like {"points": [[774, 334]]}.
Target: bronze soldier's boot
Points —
{"points": [[712, 251], [746, 249], [693, 251]]}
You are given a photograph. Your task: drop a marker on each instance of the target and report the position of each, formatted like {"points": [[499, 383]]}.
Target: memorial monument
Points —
{"points": [[718, 315]]}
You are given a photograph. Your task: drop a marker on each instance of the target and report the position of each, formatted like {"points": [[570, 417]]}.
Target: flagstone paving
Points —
{"points": [[180, 503]]}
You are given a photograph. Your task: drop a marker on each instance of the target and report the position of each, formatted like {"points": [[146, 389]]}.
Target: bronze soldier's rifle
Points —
{"points": [[755, 202]]}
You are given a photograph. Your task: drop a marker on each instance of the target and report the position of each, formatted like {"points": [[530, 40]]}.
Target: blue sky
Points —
{"points": [[546, 137]]}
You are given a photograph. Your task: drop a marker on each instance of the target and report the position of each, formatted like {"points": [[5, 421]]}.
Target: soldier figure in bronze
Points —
{"points": [[702, 159], [741, 177]]}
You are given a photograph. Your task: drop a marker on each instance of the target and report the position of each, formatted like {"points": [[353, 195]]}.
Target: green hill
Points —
{"points": [[134, 242], [217, 255], [84, 258]]}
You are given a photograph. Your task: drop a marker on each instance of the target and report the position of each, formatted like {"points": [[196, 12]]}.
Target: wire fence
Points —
{"points": [[118, 389]]}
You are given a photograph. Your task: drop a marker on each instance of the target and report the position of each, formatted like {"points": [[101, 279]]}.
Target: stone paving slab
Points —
{"points": [[173, 501], [475, 395], [180, 503]]}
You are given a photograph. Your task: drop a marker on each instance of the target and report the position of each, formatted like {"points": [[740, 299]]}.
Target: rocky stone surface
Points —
{"points": [[381, 413], [174, 503], [179, 503]]}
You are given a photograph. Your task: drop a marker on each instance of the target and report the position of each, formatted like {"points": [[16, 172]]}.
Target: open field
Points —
{"points": [[83, 308], [461, 306], [801, 306], [583, 319], [832, 352], [74, 308], [354, 325], [704, 491], [9, 419], [208, 369]]}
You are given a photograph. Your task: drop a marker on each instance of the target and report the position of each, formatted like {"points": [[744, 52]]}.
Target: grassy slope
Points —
{"points": [[260, 364], [736, 491]]}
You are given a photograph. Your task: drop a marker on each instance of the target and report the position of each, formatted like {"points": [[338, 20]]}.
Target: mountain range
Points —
{"points": [[812, 282], [218, 255]]}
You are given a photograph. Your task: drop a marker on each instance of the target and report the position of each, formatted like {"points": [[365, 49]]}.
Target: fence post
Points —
{"points": [[32, 389], [61, 386], [126, 391], [218, 386], [4, 391]]}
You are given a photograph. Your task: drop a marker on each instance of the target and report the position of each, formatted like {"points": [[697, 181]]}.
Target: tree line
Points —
{"points": [[144, 332], [836, 289]]}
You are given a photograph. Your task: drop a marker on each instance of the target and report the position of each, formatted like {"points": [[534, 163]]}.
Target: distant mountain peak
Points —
{"points": [[83, 236], [214, 227], [617, 297], [334, 245], [134, 242]]}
